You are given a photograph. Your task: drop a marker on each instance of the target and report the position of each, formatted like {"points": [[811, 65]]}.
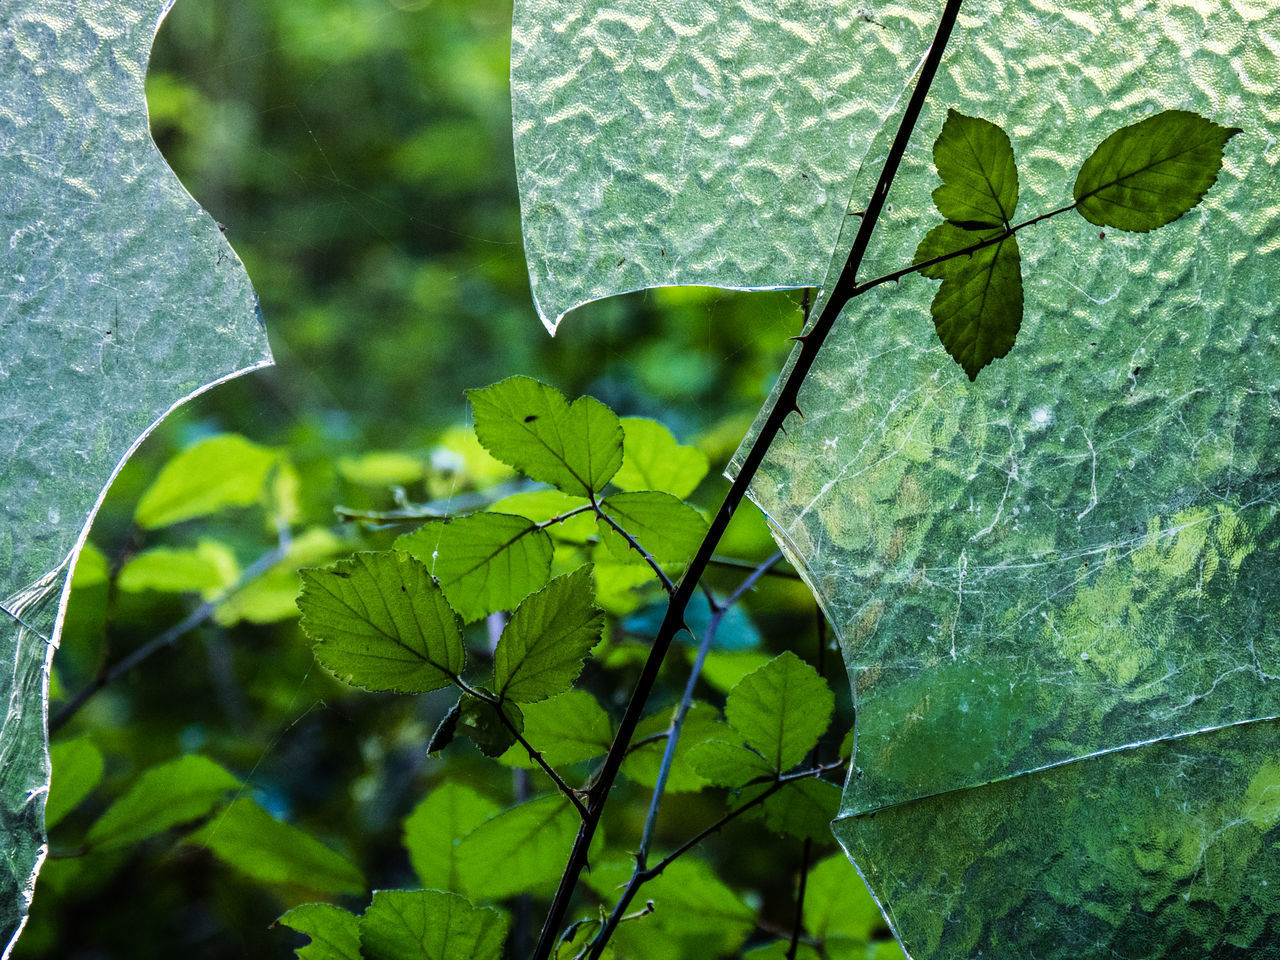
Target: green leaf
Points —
{"points": [[249, 839], [802, 809], [77, 769], [1151, 172], [544, 644], [701, 723], [382, 468], [334, 932], [480, 720], [543, 505], [576, 447], [446, 729], [207, 568], [781, 950], [978, 309], [380, 622], [669, 529], [728, 764], [223, 471], [485, 562], [521, 850], [165, 796], [837, 903], [781, 710], [723, 669], [273, 596], [979, 178], [436, 825], [653, 460], [430, 925], [564, 729]]}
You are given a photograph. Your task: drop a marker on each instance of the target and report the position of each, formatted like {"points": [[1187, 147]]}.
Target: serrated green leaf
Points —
{"points": [[978, 309], [802, 809], [781, 710], [576, 447], [77, 769], [543, 505], [979, 177], [484, 562], [480, 720], [669, 529], [436, 825], [701, 723], [273, 596], [521, 850], [165, 796], [544, 644], [837, 903], [380, 622], [253, 842], [1151, 172], [728, 764], [564, 729], [653, 460], [430, 925], [621, 585], [723, 669], [334, 932], [446, 729], [207, 568], [222, 471]]}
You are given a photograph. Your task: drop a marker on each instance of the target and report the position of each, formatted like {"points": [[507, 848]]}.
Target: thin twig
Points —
{"points": [[635, 545], [737, 564], [438, 508], [797, 925], [783, 406], [194, 619]]}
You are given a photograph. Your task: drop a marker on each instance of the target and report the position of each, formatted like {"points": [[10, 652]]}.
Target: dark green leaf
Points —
{"points": [[77, 769], [979, 178], [430, 925], [1151, 172], [485, 562], [653, 460], [223, 471], [978, 309], [380, 622], [165, 796], [564, 729], [521, 850], [480, 720], [574, 446], [446, 729], [436, 825], [802, 809], [543, 646], [781, 710], [334, 932], [250, 840], [837, 903], [669, 529], [728, 764]]}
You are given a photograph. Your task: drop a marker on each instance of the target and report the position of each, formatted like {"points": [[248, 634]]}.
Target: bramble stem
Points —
{"points": [[785, 404]]}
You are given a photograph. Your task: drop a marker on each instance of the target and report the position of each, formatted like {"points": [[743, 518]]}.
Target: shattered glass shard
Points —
{"points": [[120, 300]]}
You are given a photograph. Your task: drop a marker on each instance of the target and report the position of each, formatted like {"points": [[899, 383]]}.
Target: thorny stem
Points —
{"points": [[635, 545], [171, 636], [718, 610], [783, 406]]}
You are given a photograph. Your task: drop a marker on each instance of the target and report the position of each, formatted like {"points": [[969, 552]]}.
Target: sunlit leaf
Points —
{"points": [[334, 932], [576, 446], [1151, 172], [978, 309], [979, 178], [484, 562], [669, 529], [543, 645], [379, 621], [430, 925], [165, 796], [728, 764], [207, 568], [250, 840], [521, 850], [77, 769], [653, 460], [838, 904], [223, 471], [432, 831], [564, 729], [781, 709], [701, 723]]}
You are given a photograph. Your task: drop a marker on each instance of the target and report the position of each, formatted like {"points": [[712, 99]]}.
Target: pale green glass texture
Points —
{"points": [[120, 299], [663, 142], [1056, 588]]}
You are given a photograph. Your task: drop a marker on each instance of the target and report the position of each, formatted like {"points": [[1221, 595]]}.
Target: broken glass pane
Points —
{"points": [[695, 142], [120, 300]]}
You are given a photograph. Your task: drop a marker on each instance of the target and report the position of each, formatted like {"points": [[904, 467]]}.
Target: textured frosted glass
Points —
{"points": [[120, 299], [694, 142], [1057, 588]]}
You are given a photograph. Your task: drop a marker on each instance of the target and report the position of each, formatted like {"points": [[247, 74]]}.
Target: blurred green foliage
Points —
{"points": [[358, 154]]}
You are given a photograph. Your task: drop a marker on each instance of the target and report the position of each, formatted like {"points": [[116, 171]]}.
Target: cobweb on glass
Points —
{"points": [[120, 300]]}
